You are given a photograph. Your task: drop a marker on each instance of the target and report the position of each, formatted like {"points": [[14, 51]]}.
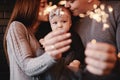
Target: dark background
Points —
{"points": [[6, 7]]}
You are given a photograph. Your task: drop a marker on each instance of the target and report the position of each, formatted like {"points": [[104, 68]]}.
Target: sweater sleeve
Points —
{"points": [[20, 50]]}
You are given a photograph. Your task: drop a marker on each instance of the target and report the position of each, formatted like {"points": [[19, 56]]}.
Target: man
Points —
{"points": [[100, 56]]}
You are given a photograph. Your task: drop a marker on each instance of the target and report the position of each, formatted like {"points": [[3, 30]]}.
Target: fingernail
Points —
{"points": [[68, 34]]}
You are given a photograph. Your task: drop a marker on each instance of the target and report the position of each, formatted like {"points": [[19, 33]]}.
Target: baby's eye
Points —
{"points": [[64, 21], [54, 22]]}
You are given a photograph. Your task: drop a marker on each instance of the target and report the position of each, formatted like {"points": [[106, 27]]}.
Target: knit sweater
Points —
{"points": [[26, 57]]}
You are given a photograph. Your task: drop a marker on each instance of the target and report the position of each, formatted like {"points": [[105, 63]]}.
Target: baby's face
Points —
{"points": [[61, 22]]}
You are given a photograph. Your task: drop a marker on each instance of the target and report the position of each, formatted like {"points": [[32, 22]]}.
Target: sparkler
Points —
{"points": [[48, 9], [99, 15], [93, 41]]}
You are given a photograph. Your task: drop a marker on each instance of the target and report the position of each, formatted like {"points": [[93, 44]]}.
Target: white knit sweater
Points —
{"points": [[25, 54]]}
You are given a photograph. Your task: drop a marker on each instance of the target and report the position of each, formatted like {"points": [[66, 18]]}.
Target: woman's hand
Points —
{"points": [[100, 58], [56, 43]]}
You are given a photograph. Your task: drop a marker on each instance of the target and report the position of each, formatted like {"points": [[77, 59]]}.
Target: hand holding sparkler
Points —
{"points": [[100, 58]]}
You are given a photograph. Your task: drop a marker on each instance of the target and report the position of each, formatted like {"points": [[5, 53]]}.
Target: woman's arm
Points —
{"points": [[20, 50]]}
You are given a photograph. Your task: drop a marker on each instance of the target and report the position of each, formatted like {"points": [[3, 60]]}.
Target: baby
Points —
{"points": [[60, 18]]}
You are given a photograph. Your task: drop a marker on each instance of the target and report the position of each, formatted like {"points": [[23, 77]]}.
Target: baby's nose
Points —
{"points": [[59, 25]]}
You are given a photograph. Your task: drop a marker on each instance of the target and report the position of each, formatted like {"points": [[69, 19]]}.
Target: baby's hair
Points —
{"points": [[59, 11]]}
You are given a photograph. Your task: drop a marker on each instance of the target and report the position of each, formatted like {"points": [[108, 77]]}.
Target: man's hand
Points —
{"points": [[100, 58]]}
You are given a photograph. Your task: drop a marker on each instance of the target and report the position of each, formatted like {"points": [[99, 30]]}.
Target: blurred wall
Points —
{"points": [[6, 7]]}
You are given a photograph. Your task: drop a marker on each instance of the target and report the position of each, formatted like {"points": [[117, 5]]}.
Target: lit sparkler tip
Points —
{"points": [[49, 8], [82, 15], [97, 17], [110, 9], [105, 26], [93, 41], [61, 13], [98, 11]]}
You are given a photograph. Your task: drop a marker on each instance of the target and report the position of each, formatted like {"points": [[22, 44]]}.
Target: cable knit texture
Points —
{"points": [[26, 57]]}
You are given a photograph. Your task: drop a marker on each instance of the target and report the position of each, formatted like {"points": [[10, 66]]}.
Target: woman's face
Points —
{"points": [[42, 16], [77, 6]]}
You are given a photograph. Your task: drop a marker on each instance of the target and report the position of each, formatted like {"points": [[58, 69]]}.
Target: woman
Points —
{"points": [[26, 58]]}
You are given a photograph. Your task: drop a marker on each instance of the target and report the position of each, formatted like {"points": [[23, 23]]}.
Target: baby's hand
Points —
{"points": [[74, 65], [41, 41]]}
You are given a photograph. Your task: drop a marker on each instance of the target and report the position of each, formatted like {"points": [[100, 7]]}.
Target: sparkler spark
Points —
{"points": [[93, 41], [99, 15], [105, 26], [110, 9], [82, 15], [62, 13], [48, 9]]}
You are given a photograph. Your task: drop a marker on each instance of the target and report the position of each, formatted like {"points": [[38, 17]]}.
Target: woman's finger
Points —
{"points": [[58, 38], [58, 51]]}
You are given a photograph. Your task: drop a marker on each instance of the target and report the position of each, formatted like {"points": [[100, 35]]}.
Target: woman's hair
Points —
{"points": [[26, 12]]}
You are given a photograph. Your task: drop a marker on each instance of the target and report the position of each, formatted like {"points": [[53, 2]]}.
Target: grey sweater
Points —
{"points": [[25, 54], [89, 29]]}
